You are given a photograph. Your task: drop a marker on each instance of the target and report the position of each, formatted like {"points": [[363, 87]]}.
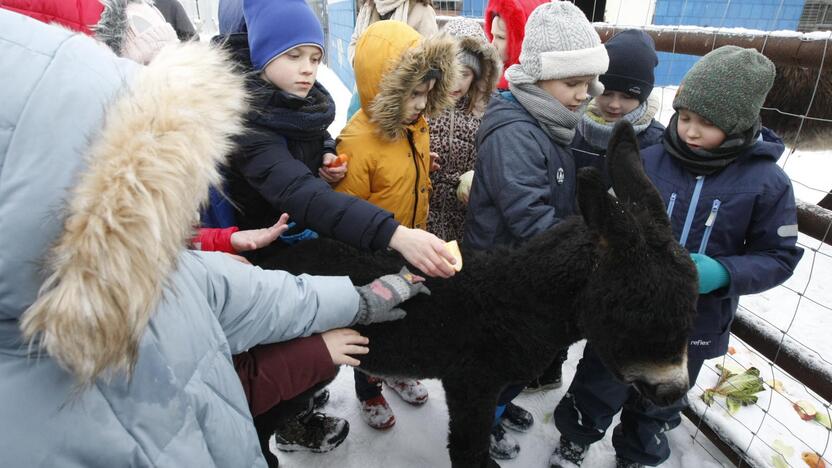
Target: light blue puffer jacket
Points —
{"points": [[106, 162]]}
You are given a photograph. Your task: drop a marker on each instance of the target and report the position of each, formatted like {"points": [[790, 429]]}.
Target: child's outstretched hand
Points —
{"points": [[253, 239], [344, 342], [330, 172], [435, 162], [423, 250]]}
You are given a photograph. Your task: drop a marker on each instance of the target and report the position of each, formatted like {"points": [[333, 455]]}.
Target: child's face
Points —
{"points": [[416, 102], [498, 36], [570, 92], [615, 104], [295, 70], [464, 83], [698, 132]]}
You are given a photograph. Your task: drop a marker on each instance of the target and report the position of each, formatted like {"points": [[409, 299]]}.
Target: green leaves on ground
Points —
{"points": [[738, 389]]}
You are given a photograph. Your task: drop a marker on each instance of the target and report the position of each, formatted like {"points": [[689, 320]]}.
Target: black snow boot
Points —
{"points": [[568, 454], [314, 432], [517, 419], [320, 399], [503, 446], [551, 377], [624, 463]]}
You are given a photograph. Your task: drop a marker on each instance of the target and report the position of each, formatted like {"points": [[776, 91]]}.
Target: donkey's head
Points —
{"points": [[638, 306]]}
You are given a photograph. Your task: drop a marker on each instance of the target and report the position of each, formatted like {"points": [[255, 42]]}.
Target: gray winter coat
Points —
{"points": [[102, 167], [524, 183]]}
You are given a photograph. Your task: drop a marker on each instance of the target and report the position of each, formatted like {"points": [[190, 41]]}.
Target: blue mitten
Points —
{"points": [[712, 275]]}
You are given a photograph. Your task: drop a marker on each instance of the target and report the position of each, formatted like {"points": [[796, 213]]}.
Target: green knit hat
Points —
{"points": [[728, 87]]}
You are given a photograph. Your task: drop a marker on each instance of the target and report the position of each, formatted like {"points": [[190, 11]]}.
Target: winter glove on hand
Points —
{"points": [[378, 299], [712, 275]]}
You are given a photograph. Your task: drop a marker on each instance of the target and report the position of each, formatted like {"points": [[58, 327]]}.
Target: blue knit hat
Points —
{"points": [[275, 26], [632, 60]]}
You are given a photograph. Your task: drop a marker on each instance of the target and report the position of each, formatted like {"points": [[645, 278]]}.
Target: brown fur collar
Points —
{"points": [[133, 209], [387, 109]]}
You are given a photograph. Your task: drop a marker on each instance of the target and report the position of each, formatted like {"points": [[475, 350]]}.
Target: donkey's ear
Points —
{"points": [[626, 170], [592, 198]]}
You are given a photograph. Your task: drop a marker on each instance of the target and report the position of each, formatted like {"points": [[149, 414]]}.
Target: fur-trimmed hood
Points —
{"points": [[131, 209], [471, 38], [514, 13], [391, 59]]}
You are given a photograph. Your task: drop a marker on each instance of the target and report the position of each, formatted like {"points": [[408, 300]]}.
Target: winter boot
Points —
{"points": [[503, 446], [516, 418], [320, 399], [315, 432], [377, 413], [568, 454], [624, 463], [551, 379], [412, 391]]}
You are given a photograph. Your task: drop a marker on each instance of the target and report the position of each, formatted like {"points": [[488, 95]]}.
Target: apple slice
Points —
{"points": [[805, 410], [453, 248]]}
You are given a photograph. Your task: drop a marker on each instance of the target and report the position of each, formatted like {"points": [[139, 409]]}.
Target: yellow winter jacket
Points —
{"points": [[389, 161]]}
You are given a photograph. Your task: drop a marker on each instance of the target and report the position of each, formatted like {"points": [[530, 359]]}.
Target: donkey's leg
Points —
{"points": [[471, 414]]}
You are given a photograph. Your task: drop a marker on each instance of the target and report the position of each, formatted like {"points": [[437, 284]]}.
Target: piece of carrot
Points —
{"points": [[339, 161]]}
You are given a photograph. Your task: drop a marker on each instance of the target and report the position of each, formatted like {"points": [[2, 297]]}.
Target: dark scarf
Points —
{"points": [[294, 117], [707, 162]]}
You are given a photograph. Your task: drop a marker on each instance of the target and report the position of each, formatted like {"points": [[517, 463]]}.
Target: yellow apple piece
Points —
{"points": [[453, 248]]}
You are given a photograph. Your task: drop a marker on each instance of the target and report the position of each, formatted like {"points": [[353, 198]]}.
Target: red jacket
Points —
{"points": [[78, 15], [514, 13], [281, 371]]}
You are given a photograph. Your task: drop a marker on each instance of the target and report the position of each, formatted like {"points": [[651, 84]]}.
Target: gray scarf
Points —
{"points": [[597, 132], [556, 120]]}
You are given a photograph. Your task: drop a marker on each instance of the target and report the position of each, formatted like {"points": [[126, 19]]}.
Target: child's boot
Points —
{"points": [[516, 418], [503, 446], [624, 463], [314, 432], [412, 391], [568, 454], [320, 399], [377, 413]]}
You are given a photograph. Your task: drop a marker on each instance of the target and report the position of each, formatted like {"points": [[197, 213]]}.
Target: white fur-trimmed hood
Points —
{"points": [[133, 209]]}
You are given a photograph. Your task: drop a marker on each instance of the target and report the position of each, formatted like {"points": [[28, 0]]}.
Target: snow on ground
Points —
{"points": [[419, 437]]}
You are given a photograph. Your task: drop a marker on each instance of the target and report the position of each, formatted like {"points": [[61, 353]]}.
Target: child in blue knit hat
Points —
{"points": [[285, 162], [733, 208]]}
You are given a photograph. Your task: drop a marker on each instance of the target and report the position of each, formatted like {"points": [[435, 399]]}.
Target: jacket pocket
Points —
{"points": [[709, 226]]}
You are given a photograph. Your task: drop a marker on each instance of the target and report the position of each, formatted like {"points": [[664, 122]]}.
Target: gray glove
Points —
{"points": [[378, 300]]}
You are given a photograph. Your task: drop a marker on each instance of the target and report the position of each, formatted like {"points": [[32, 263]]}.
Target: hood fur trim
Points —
{"points": [[387, 109], [133, 209], [491, 68], [112, 28]]}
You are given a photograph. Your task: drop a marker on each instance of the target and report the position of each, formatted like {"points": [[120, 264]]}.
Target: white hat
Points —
{"points": [[559, 43]]}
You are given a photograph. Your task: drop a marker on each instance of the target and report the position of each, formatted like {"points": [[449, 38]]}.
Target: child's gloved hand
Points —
{"points": [[378, 300], [712, 275]]}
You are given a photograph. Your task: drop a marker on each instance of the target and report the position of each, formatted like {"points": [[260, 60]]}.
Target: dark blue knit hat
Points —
{"points": [[275, 26], [632, 60]]}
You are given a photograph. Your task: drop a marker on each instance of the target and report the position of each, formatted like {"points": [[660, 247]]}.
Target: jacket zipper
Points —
{"points": [[694, 201], [671, 204], [709, 225], [416, 185]]}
